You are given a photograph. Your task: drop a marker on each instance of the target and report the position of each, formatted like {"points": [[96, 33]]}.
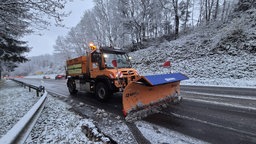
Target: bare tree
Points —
{"points": [[122, 22], [62, 48], [216, 10], [20, 15]]}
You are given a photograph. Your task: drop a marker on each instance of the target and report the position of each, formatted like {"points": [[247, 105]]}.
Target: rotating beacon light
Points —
{"points": [[92, 46]]}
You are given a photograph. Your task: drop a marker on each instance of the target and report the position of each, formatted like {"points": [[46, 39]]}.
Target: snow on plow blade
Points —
{"points": [[149, 94]]}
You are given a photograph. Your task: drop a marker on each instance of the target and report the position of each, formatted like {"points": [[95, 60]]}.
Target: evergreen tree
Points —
{"points": [[12, 51]]}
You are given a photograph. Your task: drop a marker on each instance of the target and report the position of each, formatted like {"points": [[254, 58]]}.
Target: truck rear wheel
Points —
{"points": [[72, 87], [102, 92]]}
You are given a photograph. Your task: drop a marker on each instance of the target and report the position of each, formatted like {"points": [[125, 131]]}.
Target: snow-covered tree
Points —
{"points": [[132, 23]]}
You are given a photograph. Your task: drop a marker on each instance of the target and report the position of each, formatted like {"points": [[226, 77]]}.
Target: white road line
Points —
{"points": [[223, 95], [213, 124], [222, 104]]}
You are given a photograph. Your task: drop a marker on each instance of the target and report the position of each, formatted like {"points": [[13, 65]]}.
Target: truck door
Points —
{"points": [[96, 62]]}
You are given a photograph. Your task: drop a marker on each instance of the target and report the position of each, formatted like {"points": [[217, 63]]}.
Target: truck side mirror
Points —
{"points": [[114, 63]]}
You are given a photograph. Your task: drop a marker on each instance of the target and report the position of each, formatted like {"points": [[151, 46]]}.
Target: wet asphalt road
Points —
{"points": [[212, 114]]}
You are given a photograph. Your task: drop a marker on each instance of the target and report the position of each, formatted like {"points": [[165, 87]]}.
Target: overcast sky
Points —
{"points": [[44, 44]]}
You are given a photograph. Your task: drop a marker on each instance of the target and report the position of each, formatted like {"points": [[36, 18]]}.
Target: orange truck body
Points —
{"points": [[93, 69]]}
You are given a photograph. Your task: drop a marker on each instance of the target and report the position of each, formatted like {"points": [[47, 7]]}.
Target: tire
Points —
{"points": [[102, 91], [72, 87]]}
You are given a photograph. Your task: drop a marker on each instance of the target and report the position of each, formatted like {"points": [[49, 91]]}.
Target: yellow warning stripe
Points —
{"points": [[74, 69], [75, 66]]}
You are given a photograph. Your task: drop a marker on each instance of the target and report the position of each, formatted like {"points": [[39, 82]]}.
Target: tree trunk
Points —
{"points": [[192, 16], [206, 11], [143, 31], [210, 5], [177, 18], [186, 17], [0, 70], [216, 10], [223, 11], [199, 21], [177, 23]]}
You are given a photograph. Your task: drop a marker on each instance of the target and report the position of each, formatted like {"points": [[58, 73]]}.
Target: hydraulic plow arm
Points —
{"points": [[149, 94]]}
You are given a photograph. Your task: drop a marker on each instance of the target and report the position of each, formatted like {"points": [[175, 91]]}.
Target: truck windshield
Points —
{"points": [[122, 60]]}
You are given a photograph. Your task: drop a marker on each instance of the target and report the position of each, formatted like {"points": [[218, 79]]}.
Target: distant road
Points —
{"points": [[212, 114]]}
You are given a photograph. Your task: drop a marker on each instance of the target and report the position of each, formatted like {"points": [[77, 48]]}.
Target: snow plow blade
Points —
{"points": [[149, 94]]}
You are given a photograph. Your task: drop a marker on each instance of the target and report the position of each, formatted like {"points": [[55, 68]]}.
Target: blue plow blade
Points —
{"points": [[154, 80]]}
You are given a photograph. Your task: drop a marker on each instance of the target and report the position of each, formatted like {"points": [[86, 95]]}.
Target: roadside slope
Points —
{"points": [[217, 51]]}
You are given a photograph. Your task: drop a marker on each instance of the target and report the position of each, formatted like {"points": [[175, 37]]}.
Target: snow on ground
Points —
{"points": [[58, 125], [223, 82], [55, 125], [192, 56], [15, 101], [221, 70], [220, 54]]}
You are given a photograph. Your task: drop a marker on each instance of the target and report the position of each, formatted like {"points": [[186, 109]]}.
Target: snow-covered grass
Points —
{"points": [[15, 101], [220, 54], [223, 82], [232, 71], [55, 125], [58, 125]]}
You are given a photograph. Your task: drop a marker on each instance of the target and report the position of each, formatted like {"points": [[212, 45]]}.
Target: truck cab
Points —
{"points": [[103, 72]]}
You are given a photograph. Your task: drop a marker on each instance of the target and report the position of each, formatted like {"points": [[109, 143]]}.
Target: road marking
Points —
{"points": [[213, 124], [221, 103], [223, 95]]}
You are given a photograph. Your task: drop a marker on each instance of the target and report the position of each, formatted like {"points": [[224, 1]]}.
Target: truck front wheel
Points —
{"points": [[72, 87], [102, 92]]}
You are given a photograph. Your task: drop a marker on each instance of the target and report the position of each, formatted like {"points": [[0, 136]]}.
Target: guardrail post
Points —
{"points": [[37, 93]]}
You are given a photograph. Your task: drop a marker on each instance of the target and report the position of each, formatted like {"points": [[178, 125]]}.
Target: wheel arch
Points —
{"points": [[71, 84], [103, 79], [105, 82]]}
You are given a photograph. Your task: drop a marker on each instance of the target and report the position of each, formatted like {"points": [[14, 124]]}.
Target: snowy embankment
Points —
{"points": [[59, 124], [218, 70], [219, 54]]}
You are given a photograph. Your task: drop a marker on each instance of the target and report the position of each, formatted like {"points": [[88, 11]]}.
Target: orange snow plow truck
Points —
{"points": [[106, 70]]}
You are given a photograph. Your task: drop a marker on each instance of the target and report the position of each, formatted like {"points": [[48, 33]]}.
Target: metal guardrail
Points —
{"points": [[38, 89], [20, 131]]}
